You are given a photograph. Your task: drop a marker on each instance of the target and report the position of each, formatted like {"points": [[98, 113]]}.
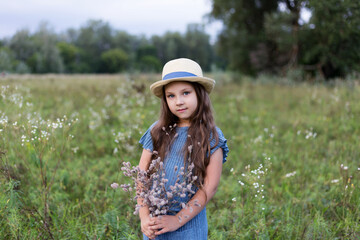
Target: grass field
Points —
{"points": [[293, 171]]}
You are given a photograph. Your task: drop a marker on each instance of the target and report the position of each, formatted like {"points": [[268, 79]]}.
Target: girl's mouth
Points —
{"points": [[181, 110]]}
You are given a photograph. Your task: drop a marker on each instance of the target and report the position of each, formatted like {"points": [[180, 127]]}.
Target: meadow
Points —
{"points": [[293, 171]]}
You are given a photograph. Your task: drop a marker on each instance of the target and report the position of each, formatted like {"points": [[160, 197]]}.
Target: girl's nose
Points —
{"points": [[179, 101]]}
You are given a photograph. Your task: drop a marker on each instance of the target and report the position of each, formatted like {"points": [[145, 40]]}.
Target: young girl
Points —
{"points": [[185, 129]]}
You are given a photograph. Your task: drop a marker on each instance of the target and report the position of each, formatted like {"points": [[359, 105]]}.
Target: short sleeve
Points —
{"points": [[222, 144], [146, 140]]}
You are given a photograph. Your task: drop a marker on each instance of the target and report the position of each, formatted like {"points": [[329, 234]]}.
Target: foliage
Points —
{"points": [[113, 60], [46, 56], [70, 55], [270, 36], [147, 59], [335, 33], [294, 144], [243, 30], [6, 59], [99, 48]]}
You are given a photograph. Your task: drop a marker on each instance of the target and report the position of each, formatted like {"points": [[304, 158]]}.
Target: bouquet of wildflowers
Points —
{"points": [[151, 186]]}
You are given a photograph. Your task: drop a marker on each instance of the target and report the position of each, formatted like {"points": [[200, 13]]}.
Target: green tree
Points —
{"points": [[70, 55], [113, 60], [9, 63], [22, 45], [47, 57], [94, 38], [243, 33], [198, 45], [169, 46], [6, 60], [147, 60], [334, 36]]}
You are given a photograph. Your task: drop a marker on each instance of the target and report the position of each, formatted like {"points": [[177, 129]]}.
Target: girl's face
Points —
{"points": [[182, 101]]}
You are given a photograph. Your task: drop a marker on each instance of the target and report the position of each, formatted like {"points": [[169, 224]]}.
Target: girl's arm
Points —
{"points": [[198, 201], [144, 212]]}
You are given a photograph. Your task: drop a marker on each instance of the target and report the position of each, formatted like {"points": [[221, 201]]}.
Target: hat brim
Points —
{"points": [[157, 87]]}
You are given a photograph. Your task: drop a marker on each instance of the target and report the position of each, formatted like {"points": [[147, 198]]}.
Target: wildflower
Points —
{"points": [[258, 139], [232, 169], [114, 185], [75, 149], [154, 181], [335, 181], [241, 183], [234, 199], [290, 174], [115, 150], [190, 148]]}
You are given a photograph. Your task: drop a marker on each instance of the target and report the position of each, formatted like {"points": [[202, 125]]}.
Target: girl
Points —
{"points": [[186, 129]]}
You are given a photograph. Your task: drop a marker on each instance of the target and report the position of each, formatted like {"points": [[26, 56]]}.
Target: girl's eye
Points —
{"points": [[170, 96], [186, 93]]}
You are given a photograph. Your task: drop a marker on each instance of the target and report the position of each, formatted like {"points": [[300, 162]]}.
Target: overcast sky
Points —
{"points": [[136, 17]]}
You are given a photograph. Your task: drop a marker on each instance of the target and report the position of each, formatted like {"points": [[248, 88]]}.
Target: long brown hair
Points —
{"points": [[201, 131]]}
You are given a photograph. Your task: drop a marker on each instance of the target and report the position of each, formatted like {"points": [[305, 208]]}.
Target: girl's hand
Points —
{"points": [[163, 224], [146, 223]]}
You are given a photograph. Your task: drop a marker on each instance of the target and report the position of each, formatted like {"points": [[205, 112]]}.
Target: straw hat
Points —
{"points": [[181, 69]]}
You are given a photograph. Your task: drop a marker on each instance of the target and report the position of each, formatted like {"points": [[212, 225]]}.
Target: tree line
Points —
{"points": [[258, 36], [96, 47]]}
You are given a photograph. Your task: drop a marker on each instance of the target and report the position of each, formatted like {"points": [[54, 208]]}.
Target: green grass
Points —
{"points": [[287, 143]]}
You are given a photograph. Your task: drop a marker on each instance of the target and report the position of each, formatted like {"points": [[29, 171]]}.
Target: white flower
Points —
{"points": [[335, 181], [258, 139], [234, 199], [115, 150], [232, 169], [75, 149], [290, 174]]}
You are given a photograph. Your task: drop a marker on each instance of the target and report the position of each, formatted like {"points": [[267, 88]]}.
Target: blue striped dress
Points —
{"points": [[196, 228]]}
